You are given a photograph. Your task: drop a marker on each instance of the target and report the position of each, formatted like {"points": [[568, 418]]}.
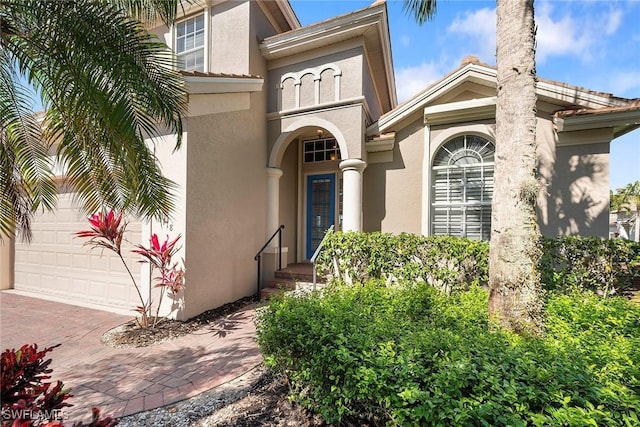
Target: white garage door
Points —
{"points": [[57, 263]]}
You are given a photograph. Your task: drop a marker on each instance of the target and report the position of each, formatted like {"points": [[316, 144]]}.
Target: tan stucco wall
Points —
{"points": [[349, 61], [392, 192], [348, 120], [260, 29], [574, 172], [466, 92], [235, 28], [225, 205], [289, 200], [230, 29], [573, 167], [370, 94]]}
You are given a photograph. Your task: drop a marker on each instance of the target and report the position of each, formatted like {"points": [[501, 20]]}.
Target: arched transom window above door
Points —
{"points": [[462, 188]]}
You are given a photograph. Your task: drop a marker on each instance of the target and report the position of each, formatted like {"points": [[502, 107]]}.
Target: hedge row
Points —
{"points": [[451, 263], [411, 355]]}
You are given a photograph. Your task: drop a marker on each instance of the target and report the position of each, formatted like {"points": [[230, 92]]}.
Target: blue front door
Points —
{"points": [[321, 199]]}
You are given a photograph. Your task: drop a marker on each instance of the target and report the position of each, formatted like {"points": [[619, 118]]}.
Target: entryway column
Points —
{"points": [[273, 202], [352, 194]]}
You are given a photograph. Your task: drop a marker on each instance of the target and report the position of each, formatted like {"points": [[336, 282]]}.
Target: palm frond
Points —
{"points": [[421, 10], [107, 86], [26, 176], [149, 11]]}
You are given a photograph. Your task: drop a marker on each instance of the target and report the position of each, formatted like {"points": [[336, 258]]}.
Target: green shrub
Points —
{"points": [[451, 263], [604, 266], [411, 355], [447, 263]]}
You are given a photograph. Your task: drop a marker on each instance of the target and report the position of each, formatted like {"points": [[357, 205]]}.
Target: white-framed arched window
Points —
{"points": [[462, 188]]}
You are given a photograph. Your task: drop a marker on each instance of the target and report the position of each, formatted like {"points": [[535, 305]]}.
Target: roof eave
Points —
{"points": [[211, 85], [413, 105], [622, 121]]}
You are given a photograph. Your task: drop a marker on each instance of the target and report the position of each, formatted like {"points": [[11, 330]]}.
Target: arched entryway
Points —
{"points": [[312, 184]]}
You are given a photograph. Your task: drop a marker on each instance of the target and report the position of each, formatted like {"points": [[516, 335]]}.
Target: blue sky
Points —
{"points": [[592, 44]]}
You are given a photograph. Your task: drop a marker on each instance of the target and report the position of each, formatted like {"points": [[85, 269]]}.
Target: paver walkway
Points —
{"points": [[125, 381]]}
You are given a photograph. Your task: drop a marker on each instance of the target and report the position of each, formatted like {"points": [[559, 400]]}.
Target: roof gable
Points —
{"points": [[369, 25], [451, 89]]}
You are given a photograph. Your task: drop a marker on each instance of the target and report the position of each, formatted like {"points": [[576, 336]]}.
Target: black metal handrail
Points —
{"points": [[258, 256]]}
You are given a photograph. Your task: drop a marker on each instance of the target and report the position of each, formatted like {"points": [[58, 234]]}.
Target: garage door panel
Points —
{"points": [[58, 264]]}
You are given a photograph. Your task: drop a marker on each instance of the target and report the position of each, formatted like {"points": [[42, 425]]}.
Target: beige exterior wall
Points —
{"points": [[574, 171], [225, 205], [346, 123], [174, 167], [289, 194], [467, 91], [260, 29], [349, 62], [392, 191], [370, 94], [230, 29], [234, 28], [573, 168]]}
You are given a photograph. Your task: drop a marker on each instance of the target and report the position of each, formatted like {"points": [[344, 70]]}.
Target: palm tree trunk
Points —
{"points": [[514, 280]]}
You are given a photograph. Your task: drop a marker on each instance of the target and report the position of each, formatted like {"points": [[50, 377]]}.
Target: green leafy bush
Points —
{"points": [[411, 355], [450, 263], [445, 262], [604, 266]]}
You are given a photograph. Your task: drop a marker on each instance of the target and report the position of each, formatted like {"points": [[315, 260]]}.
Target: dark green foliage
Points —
{"points": [[449, 263], [445, 262], [411, 355], [604, 266]]}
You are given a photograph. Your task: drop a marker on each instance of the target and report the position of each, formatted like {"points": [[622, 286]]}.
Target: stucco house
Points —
{"points": [[300, 126]]}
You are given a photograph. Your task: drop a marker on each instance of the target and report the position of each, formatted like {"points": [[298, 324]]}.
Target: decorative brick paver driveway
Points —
{"points": [[125, 381]]}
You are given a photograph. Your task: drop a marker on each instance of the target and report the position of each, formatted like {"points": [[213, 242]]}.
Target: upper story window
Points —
{"points": [[190, 43], [321, 149], [463, 188]]}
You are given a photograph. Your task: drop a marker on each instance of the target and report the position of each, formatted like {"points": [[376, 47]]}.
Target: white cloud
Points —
{"points": [[583, 36], [479, 27], [413, 79], [559, 37], [623, 82], [613, 21]]}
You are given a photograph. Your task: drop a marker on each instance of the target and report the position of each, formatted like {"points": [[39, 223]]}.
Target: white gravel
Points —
{"points": [[189, 412]]}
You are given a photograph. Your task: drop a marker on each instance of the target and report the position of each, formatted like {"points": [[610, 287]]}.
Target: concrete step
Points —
{"points": [[302, 272], [268, 293], [281, 284], [303, 287]]}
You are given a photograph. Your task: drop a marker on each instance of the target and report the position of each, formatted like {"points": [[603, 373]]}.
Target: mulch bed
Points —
{"points": [[131, 334]]}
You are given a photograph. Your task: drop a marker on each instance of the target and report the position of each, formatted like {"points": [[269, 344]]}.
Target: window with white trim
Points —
{"points": [[321, 150], [190, 43], [463, 188]]}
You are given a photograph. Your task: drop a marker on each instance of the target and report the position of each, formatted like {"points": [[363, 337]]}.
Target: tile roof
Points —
{"points": [[631, 105], [222, 75]]}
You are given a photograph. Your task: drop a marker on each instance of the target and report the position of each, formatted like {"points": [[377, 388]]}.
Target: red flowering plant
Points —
{"points": [[160, 256], [28, 400], [107, 232]]}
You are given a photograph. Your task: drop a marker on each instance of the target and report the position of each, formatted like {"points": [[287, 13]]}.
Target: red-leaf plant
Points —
{"points": [[27, 399], [160, 256], [107, 232]]}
